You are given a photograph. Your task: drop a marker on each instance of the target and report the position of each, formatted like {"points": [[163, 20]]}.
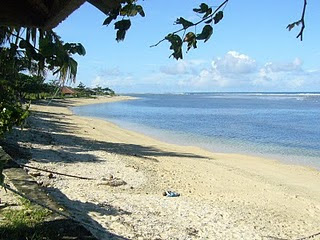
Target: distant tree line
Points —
{"points": [[82, 91], [33, 87]]}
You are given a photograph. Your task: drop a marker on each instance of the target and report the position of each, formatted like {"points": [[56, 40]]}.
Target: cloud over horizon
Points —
{"points": [[239, 72], [234, 71]]}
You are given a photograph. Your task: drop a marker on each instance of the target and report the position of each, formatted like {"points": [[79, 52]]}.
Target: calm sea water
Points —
{"points": [[285, 126]]}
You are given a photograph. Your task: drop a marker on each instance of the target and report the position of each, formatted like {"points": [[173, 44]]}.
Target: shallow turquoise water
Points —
{"points": [[285, 126]]}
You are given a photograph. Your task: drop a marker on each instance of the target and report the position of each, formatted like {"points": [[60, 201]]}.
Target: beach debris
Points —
{"points": [[40, 183], [107, 178], [171, 194], [116, 182], [192, 231], [134, 167], [113, 182], [34, 174]]}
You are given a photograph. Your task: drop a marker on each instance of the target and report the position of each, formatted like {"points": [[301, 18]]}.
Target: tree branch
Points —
{"points": [[300, 35], [197, 23], [58, 173]]}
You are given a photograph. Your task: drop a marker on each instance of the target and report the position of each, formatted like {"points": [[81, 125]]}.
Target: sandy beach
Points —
{"points": [[223, 196]]}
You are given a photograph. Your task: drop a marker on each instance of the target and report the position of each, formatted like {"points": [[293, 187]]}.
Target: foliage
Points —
{"points": [[177, 39], [43, 50], [124, 10], [83, 91], [210, 16], [35, 51], [4, 158], [26, 54], [16, 224], [12, 111], [11, 114], [26, 84]]}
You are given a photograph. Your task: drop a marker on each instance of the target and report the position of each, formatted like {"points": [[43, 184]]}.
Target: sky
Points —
{"points": [[250, 49]]}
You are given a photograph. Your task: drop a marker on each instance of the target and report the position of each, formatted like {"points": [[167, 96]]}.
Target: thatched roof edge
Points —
{"points": [[67, 9]]}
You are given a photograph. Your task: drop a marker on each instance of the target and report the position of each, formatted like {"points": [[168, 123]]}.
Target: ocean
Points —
{"points": [[283, 126]]}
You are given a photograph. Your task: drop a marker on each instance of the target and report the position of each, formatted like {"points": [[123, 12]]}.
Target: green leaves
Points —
{"points": [[4, 158], [29, 50], [126, 9], [74, 48], [190, 38], [140, 11], [217, 18], [131, 10], [23, 44], [11, 114], [109, 19], [47, 47], [206, 33], [185, 23], [208, 12], [292, 25], [176, 45], [122, 27], [209, 17], [203, 8]]}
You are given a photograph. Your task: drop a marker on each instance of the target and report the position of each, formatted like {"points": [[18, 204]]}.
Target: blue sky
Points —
{"points": [[250, 50]]}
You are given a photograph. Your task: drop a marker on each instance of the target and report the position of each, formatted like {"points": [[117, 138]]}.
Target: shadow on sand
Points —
{"points": [[82, 210], [56, 131]]}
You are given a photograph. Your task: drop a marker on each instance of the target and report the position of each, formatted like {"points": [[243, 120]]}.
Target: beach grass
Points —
{"points": [[24, 222]]}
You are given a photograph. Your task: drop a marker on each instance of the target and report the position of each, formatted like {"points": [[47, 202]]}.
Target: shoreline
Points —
{"points": [[223, 196], [288, 160]]}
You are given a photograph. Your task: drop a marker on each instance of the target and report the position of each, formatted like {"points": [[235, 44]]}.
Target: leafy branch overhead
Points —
{"points": [[129, 8], [209, 17], [125, 10]]}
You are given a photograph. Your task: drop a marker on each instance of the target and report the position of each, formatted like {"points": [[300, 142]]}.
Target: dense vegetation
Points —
{"points": [[26, 55], [82, 91]]}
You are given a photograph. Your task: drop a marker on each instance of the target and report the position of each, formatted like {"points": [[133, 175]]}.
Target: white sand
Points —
{"points": [[223, 196]]}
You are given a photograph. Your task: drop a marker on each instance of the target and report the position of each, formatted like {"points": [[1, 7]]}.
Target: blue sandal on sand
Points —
{"points": [[171, 194]]}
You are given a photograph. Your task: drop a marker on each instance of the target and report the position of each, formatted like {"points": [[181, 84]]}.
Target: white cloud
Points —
{"points": [[239, 72], [282, 75], [233, 72], [293, 66], [234, 62]]}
